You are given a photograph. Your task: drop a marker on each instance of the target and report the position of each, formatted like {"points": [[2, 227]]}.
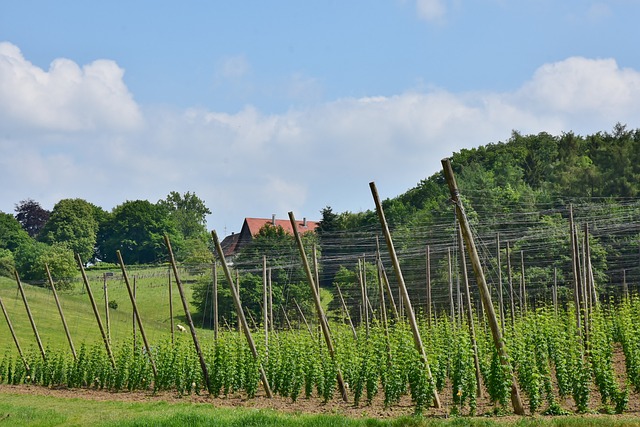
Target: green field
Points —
{"points": [[152, 299]]}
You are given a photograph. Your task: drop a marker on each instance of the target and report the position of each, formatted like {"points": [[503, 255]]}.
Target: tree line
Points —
{"points": [[34, 236]]}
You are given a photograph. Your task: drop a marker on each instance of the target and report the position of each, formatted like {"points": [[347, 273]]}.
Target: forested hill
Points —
{"points": [[520, 189]]}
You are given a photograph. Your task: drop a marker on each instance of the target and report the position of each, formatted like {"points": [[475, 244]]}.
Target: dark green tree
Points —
{"points": [[12, 235], [188, 212], [137, 229], [72, 223]]}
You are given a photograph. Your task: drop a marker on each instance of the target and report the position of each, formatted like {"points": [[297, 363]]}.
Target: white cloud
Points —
{"points": [[233, 67], [250, 163], [65, 97], [431, 10]]}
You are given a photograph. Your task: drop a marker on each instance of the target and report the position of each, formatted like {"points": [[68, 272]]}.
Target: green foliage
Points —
{"points": [[188, 212], [30, 261], [137, 229], [72, 223]]}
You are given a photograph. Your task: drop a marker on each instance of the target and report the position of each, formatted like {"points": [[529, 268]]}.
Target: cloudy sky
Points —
{"points": [[263, 107]]}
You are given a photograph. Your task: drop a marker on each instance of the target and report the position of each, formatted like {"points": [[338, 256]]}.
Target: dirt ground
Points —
{"points": [[315, 405]]}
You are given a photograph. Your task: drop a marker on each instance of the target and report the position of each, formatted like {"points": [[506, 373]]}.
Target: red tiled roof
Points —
{"points": [[255, 224]]}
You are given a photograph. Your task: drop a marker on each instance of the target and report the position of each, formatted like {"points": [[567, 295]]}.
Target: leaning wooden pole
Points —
{"points": [[136, 315], [240, 313], [64, 321], [15, 337], [498, 340], [346, 311], [33, 323], [500, 295], [187, 313], [417, 340], [105, 339], [324, 325]]}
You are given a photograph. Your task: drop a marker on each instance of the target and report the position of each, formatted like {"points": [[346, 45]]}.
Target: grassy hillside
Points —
{"points": [[152, 299]]}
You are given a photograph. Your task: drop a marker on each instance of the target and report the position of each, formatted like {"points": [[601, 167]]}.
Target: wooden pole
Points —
{"points": [[15, 338], [417, 340], [106, 305], [554, 292], [576, 271], [500, 295], [498, 340], [215, 300], [472, 329], [428, 268], [265, 303], [523, 286], [187, 313], [135, 333], [304, 319], [387, 287], [316, 299], [64, 321], [273, 327], [240, 313], [451, 305], [512, 297], [107, 344], [136, 314], [346, 310], [33, 323], [173, 333]]}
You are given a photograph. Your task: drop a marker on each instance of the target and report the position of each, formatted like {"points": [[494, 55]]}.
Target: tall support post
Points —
{"points": [[346, 310], [523, 286], [59, 306], [450, 275], [106, 305], [15, 337], [265, 304], [187, 313], [387, 287], [241, 318], [215, 314], [428, 271], [417, 339], [500, 296], [554, 291], [133, 315], [173, 331], [512, 297], [136, 314], [273, 327], [302, 316], [107, 344], [469, 311], [33, 323], [316, 300], [575, 265], [498, 340]]}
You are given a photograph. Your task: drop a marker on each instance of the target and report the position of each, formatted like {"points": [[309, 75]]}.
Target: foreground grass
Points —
{"points": [[24, 410]]}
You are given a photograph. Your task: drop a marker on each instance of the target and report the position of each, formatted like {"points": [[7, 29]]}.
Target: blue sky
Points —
{"points": [[270, 107]]}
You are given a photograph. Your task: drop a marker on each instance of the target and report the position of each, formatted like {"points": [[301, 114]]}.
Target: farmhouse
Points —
{"points": [[251, 226]]}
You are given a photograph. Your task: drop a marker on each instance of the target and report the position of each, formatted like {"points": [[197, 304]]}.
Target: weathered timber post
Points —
{"points": [[136, 314], [346, 310], [215, 299], [265, 304], [64, 321], [107, 344], [417, 340], [15, 338], [428, 271], [387, 287], [500, 296], [523, 286], [187, 313], [316, 299], [135, 333], [273, 327], [472, 329], [106, 305], [304, 319], [240, 313], [33, 323], [512, 296], [450, 275], [173, 338], [575, 265], [498, 340]]}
